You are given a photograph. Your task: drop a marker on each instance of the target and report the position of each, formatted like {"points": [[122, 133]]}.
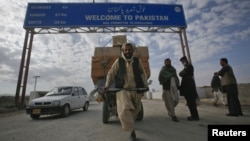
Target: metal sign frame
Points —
{"points": [[31, 31]]}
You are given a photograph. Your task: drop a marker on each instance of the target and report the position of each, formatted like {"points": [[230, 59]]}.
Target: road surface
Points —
{"points": [[87, 126]]}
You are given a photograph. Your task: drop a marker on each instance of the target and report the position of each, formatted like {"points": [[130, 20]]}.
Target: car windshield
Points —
{"points": [[60, 91]]}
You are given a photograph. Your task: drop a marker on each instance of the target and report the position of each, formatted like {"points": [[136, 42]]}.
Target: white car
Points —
{"points": [[60, 100]]}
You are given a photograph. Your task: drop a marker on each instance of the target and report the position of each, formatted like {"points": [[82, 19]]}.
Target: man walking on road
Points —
{"points": [[170, 83], [128, 73], [216, 89]]}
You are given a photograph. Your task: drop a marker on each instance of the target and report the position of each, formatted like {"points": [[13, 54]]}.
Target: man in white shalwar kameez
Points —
{"points": [[127, 72]]}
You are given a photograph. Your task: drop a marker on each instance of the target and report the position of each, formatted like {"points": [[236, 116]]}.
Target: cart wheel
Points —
{"points": [[105, 112], [141, 114]]}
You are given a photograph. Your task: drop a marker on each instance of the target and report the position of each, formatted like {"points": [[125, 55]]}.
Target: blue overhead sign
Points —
{"points": [[48, 15]]}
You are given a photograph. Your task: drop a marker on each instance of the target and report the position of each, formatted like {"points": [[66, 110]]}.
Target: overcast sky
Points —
{"points": [[215, 29]]}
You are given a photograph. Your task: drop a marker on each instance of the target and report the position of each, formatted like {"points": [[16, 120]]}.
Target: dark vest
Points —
{"points": [[119, 80]]}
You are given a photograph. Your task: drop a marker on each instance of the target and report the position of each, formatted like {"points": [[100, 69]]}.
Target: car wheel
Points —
{"points": [[66, 110], [140, 114], [86, 106], [105, 112], [34, 116]]}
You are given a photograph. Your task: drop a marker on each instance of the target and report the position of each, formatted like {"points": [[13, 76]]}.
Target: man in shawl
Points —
{"points": [[170, 83]]}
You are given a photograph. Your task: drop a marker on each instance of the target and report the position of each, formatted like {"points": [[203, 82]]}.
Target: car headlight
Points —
{"points": [[31, 103], [56, 103]]}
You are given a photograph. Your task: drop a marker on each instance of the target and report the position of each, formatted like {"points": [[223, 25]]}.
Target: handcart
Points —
{"points": [[109, 107]]}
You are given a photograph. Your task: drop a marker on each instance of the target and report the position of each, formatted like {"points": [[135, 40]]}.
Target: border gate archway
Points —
{"points": [[62, 18]]}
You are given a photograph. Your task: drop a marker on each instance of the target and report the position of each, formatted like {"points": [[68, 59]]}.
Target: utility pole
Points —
{"points": [[35, 82]]}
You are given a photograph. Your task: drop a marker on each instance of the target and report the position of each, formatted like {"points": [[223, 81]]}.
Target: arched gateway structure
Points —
{"points": [[58, 18]]}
